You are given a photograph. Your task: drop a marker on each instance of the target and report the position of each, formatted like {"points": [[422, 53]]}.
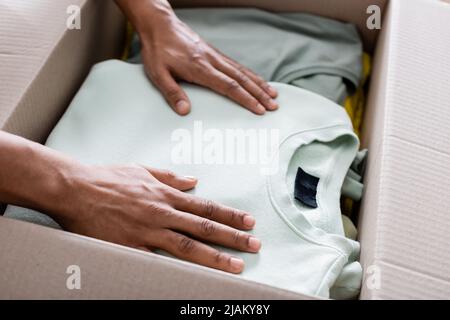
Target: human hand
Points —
{"points": [[145, 208], [172, 51]]}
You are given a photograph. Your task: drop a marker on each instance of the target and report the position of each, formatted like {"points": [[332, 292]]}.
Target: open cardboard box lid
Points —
{"points": [[404, 223]]}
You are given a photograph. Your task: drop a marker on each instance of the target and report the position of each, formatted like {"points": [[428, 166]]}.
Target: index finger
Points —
{"points": [[256, 78], [223, 84]]}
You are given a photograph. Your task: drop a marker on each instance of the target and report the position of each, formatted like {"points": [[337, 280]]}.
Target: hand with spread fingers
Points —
{"points": [[131, 205], [172, 51], [145, 208]]}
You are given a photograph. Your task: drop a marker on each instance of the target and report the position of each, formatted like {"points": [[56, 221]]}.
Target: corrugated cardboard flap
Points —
{"points": [[36, 267], [43, 63], [405, 217]]}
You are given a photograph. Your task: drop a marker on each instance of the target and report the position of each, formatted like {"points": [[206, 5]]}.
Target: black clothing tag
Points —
{"points": [[306, 188]]}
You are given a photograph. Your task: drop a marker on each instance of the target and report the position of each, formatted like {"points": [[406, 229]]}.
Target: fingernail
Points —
{"points": [[273, 93], [236, 264], [249, 221], [191, 178], [260, 109], [254, 244], [273, 105], [182, 107]]}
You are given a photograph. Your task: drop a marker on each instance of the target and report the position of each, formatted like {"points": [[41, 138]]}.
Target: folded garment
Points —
{"points": [[312, 52], [349, 228], [353, 186], [118, 116]]}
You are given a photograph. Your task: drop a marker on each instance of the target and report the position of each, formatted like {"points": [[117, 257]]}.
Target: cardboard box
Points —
{"points": [[404, 223], [43, 63]]}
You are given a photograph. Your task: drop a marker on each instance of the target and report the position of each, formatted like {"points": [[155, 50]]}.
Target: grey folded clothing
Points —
{"points": [[311, 52]]}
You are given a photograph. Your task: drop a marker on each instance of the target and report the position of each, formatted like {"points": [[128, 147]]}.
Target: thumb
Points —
{"points": [[173, 180], [172, 92]]}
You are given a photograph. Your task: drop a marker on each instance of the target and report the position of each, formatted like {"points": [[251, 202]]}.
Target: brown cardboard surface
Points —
{"points": [[37, 50], [34, 261], [405, 222]]}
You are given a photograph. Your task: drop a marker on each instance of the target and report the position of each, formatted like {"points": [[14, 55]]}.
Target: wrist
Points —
{"points": [[61, 193], [36, 177], [48, 185], [147, 15]]}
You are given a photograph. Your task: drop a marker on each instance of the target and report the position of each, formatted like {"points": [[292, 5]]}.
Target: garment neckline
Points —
{"points": [[280, 195]]}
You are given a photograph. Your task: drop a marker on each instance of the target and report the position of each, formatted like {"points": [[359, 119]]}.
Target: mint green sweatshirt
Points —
{"points": [[118, 117]]}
